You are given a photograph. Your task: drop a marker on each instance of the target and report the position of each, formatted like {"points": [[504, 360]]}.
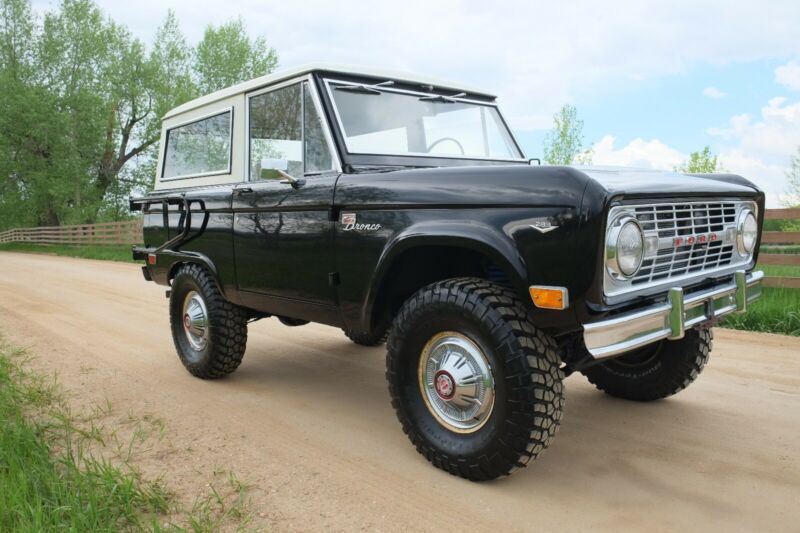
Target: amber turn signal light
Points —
{"points": [[549, 297]]}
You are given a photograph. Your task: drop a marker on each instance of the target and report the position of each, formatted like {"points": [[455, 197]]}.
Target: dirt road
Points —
{"points": [[306, 421]]}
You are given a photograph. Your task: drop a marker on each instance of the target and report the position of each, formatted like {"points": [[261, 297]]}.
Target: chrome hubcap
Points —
{"points": [[195, 321], [456, 382]]}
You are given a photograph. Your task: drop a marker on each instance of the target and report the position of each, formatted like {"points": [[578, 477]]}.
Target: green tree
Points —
{"points": [[226, 55], [17, 38], [563, 145], [78, 57], [81, 102], [793, 176], [701, 162]]}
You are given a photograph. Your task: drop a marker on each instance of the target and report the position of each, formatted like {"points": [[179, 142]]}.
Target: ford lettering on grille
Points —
{"points": [[692, 239]]}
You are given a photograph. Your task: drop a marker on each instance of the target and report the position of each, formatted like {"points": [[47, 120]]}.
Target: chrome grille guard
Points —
{"points": [[629, 331]]}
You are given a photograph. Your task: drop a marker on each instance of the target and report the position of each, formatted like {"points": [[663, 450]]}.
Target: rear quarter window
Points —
{"points": [[199, 148]]}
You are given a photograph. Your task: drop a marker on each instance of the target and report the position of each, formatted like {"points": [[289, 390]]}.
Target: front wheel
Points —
{"points": [[476, 387], [210, 333], [655, 371]]}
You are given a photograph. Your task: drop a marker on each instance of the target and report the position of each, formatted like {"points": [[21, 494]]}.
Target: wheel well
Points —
{"points": [[173, 270], [423, 265]]}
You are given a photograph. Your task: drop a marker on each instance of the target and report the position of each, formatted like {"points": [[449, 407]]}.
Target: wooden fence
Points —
{"points": [[105, 233], [781, 237], [130, 232]]}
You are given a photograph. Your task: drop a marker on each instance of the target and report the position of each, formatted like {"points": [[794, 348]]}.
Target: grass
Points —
{"points": [[778, 310], [781, 224], [220, 505], [107, 253], [48, 478], [780, 249], [65, 471]]}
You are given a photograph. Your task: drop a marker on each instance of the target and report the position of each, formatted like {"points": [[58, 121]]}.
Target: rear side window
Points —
{"points": [[200, 148]]}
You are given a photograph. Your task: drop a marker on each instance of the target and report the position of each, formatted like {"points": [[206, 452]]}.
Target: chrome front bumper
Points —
{"points": [[623, 333]]}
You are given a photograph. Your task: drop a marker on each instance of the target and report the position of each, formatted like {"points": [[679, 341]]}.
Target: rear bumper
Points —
{"points": [[623, 333]]}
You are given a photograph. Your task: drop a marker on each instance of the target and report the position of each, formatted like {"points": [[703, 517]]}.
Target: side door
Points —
{"points": [[282, 232]]}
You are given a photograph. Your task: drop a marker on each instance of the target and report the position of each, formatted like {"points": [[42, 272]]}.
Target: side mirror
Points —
{"points": [[273, 169]]}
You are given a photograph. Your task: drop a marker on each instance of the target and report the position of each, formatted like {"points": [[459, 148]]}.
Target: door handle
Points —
{"points": [[242, 190]]}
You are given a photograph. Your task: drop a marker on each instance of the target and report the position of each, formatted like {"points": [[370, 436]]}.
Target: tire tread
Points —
{"points": [[689, 361], [228, 323], [532, 363]]}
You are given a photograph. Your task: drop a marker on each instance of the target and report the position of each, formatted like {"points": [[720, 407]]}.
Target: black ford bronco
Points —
{"points": [[398, 207]]}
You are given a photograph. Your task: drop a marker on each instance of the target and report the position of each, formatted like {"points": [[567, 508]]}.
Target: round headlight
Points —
{"points": [[746, 232], [625, 247]]}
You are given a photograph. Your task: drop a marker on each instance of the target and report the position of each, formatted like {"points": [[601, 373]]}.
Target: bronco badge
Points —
{"points": [[349, 223]]}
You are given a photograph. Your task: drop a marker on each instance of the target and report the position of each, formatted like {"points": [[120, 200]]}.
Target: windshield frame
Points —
{"points": [[428, 159]]}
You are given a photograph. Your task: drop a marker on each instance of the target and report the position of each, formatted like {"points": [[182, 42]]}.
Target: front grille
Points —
{"points": [[672, 220], [682, 240], [685, 220]]}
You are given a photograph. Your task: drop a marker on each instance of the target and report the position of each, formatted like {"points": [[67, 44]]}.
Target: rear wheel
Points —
{"points": [[655, 371], [210, 333], [476, 387]]}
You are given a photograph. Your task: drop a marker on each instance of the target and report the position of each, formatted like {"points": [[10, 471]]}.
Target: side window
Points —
{"points": [[317, 151], [286, 134], [202, 147], [276, 133]]}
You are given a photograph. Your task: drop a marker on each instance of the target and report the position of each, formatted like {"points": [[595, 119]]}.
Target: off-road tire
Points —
{"points": [[656, 371], [529, 394], [374, 338], [227, 325]]}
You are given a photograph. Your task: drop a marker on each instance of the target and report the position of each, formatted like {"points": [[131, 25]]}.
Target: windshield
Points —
{"points": [[378, 120]]}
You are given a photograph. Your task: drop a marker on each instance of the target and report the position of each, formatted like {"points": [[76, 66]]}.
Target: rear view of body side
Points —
{"points": [[403, 211]]}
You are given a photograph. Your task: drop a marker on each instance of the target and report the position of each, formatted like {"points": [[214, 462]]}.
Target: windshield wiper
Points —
{"points": [[442, 99], [364, 88]]}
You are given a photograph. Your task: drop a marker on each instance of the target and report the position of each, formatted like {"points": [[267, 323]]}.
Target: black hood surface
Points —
{"points": [[524, 185], [647, 182]]}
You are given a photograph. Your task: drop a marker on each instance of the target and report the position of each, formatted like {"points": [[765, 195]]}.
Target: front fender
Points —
{"points": [[467, 234]]}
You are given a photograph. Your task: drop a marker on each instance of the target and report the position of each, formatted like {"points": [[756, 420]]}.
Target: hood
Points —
{"points": [[480, 186], [523, 185], [648, 182]]}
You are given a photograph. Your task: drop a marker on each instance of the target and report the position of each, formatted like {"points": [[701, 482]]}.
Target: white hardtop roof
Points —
{"points": [[276, 77]]}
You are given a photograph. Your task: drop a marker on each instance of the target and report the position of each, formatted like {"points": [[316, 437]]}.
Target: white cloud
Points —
{"points": [[515, 48], [758, 149], [770, 177], [772, 137], [637, 153], [765, 170], [788, 75], [713, 92]]}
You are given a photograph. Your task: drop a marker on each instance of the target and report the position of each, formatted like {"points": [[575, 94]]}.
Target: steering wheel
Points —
{"points": [[434, 143]]}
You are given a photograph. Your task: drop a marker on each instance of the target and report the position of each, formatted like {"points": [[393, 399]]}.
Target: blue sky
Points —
{"points": [[652, 79], [673, 107]]}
